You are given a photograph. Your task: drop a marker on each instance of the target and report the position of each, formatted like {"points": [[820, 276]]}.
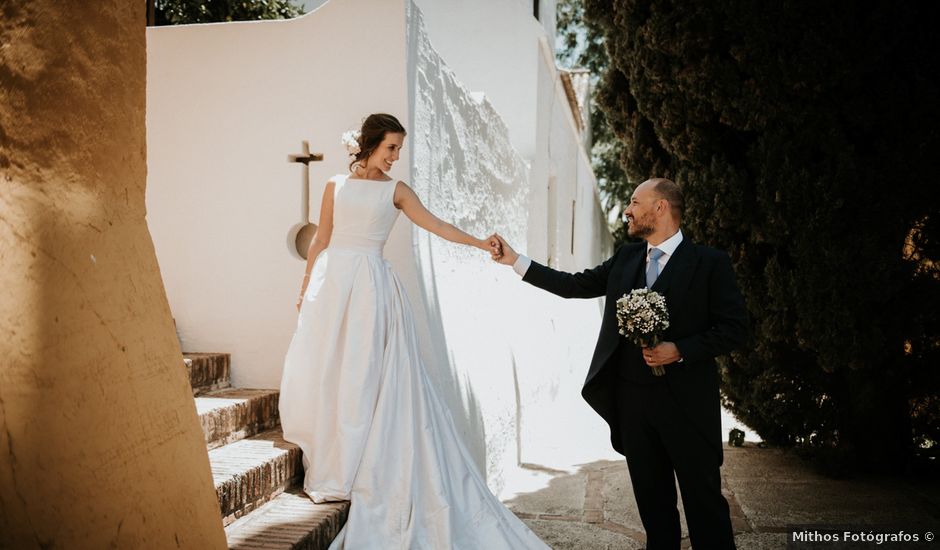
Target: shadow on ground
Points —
{"points": [[771, 494]]}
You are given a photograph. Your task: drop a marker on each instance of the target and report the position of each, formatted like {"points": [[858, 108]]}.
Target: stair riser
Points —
{"points": [[207, 371], [224, 426], [242, 494], [324, 533]]}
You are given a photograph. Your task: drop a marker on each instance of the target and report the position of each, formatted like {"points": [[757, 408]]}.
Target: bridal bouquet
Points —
{"points": [[643, 319]]}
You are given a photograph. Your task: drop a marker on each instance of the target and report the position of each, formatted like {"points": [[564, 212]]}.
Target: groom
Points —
{"points": [[669, 427]]}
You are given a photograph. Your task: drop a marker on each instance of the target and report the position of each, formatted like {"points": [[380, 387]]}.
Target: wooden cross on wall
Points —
{"points": [[307, 229], [306, 157]]}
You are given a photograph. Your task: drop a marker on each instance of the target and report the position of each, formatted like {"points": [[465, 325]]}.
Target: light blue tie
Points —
{"points": [[652, 270]]}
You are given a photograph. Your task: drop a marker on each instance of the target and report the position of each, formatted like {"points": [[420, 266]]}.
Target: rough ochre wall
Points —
{"points": [[100, 446]]}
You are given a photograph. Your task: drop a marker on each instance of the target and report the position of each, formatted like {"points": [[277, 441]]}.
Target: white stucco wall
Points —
{"points": [[228, 102], [523, 352], [563, 186], [497, 47], [493, 46], [465, 170]]}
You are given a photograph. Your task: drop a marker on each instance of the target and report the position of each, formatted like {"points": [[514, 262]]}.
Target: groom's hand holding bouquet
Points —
{"points": [[643, 319]]}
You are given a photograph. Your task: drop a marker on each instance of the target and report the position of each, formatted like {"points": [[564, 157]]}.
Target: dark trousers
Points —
{"points": [[662, 446]]}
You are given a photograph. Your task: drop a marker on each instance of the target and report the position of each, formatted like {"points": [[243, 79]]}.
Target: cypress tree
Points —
{"points": [[805, 136]]}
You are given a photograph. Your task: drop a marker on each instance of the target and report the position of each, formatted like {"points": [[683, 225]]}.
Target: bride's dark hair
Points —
{"points": [[374, 128]]}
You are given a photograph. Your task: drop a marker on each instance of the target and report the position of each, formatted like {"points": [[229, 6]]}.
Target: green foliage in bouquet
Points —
{"points": [[806, 137]]}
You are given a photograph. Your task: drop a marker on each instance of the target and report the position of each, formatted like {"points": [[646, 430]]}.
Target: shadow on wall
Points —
{"points": [[466, 172], [470, 423], [432, 340]]}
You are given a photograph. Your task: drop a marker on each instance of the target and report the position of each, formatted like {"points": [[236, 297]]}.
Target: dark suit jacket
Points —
{"points": [[707, 318]]}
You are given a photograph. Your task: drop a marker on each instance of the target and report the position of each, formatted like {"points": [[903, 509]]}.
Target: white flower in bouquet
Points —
{"points": [[351, 141], [643, 319]]}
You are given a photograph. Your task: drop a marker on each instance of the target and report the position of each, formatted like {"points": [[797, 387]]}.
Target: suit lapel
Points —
{"points": [[630, 270], [678, 270]]}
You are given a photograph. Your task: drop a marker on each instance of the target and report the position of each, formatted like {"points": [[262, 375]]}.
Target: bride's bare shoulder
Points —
{"points": [[402, 193], [402, 188]]}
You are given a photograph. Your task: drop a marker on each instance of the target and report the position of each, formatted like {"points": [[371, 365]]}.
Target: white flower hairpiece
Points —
{"points": [[351, 141]]}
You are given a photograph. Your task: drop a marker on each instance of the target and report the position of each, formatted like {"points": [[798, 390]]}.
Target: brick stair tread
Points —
{"points": [[218, 399], [232, 414], [251, 471], [289, 521]]}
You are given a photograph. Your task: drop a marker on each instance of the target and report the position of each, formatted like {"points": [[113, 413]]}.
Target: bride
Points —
{"points": [[355, 396]]}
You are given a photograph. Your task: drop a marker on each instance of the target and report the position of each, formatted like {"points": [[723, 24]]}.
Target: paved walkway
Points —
{"points": [[769, 491]]}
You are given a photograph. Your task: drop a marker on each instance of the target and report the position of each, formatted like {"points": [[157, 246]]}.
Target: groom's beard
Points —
{"points": [[640, 228]]}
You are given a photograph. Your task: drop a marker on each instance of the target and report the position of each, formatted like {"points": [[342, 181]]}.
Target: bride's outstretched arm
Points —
{"points": [[322, 237], [409, 203]]}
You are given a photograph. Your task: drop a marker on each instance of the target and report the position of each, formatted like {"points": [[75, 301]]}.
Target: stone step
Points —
{"points": [[207, 371], [289, 521], [232, 414], [252, 471]]}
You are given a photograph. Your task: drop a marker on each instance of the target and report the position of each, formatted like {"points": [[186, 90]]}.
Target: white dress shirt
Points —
{"points": [[668, 247], [522, 265]]}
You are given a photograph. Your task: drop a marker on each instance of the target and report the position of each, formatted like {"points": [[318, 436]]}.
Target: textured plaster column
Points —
{"points": [[100, 445]]}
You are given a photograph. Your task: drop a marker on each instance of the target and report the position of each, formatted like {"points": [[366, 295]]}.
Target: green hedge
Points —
{"points": [[181, 12]]}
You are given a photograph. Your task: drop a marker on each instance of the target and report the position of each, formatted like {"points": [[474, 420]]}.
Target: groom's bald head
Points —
{"points": [[669, 191]]}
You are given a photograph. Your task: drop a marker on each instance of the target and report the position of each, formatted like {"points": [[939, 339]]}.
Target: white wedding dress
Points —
{"points": [[356, 399]]}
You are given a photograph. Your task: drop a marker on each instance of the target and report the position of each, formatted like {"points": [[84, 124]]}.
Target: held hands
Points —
{"points": [[491, 245], [663, 354], [500, 250]]}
